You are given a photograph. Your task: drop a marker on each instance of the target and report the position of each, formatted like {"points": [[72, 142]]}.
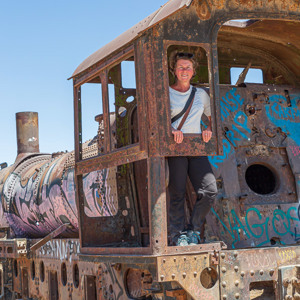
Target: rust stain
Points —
{"points": [[203, 9]]}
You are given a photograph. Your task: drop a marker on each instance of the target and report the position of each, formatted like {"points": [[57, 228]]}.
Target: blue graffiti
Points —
{"points": [[281, 223], [287, 118], [218, 159], [230, 103]]}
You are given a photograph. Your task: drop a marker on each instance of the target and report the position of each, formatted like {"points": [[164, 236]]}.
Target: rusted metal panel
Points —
{"points": [[140, 96], [242, 271], [25, 284], [27, 132], [252, 122], [189, 271], [105, 103], [157, 205], [115, 158]]}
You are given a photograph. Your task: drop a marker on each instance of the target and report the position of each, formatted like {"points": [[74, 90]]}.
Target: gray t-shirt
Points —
{"points": [[200, 105]]}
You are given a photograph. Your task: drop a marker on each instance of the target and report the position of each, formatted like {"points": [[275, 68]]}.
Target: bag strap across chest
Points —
{"points": [[186, 109]]}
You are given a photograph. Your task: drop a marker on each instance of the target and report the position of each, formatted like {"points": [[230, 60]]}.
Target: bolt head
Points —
{"points": [[223, 269], [223, 255], [242, 273], [261, 272], [236, 268]]}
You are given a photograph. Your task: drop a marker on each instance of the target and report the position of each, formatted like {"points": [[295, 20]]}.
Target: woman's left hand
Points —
{"points": [[206, 135]]}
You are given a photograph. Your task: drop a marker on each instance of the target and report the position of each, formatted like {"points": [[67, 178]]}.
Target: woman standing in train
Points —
{"points": [[196, 167]]}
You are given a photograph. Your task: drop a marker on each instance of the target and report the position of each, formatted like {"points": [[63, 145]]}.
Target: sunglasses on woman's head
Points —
{"points": [[184, 54]]}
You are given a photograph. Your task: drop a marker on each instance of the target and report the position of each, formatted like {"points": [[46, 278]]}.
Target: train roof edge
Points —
{"points": [[128, 36]]}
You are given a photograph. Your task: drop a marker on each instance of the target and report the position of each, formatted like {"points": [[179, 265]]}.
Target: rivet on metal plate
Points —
{"points": [[261, 272]]}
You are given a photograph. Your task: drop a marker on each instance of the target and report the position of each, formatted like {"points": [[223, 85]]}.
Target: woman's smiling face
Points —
{"points": [[184, 70]]}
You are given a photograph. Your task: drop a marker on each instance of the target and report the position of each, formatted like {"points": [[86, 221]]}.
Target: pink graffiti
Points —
{"points": [[295, 150]]}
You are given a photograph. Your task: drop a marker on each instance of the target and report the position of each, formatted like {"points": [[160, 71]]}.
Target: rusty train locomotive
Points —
{"points": [[93, 223]]}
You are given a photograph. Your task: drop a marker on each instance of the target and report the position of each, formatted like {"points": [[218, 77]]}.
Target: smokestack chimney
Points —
{"points": [[27, 132]]}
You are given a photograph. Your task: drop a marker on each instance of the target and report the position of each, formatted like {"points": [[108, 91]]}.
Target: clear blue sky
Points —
{"points": [[42, 43]]}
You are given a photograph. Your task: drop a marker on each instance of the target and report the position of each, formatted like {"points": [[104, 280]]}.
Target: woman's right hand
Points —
{"points": [[178, 136]]}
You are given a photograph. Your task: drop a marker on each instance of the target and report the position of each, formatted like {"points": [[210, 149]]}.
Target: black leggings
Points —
{"points": [[199, 170]]}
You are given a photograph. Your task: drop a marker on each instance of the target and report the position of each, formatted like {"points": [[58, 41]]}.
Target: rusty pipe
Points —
{"points": [[27, 132]]}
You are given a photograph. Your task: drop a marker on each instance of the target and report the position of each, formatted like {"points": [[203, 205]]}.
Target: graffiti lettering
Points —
{"points": [[287, 255], [230, 103], [218, 159], [256, 260], [258, 227], [295, 150], [60, 249], [287, 118]]}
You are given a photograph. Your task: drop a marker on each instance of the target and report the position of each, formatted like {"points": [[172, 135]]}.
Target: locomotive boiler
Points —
{"points": [[93, 223]]}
